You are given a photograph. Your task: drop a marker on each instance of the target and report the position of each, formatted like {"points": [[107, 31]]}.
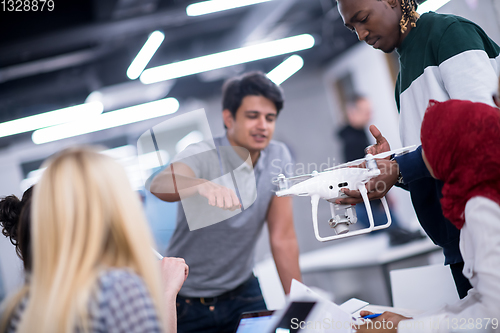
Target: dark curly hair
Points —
{"points": [[15, 220], [410, 15]]}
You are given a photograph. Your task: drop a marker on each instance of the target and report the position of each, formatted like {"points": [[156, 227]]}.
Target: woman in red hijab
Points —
{"points": [[461, 143], [461, 147]]}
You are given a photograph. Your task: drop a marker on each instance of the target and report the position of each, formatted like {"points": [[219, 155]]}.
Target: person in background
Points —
{"points": [[460, 147], [221, 284], [355, 141], [441, 57], [15, 221], [93, 269]]}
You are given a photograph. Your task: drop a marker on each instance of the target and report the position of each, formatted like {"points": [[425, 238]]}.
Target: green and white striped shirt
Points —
{"points": [[443, 57]]}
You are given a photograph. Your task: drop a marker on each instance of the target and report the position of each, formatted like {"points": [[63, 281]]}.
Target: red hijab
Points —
{"points": [[461, 141]]}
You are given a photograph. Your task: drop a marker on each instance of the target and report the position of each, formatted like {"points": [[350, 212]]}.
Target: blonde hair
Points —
{"points": [[85, 218]]}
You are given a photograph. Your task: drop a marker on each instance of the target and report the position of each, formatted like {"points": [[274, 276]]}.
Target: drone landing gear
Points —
{"points": [[343, 216]]}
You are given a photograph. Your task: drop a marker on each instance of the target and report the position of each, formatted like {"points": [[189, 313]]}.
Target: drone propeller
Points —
{"points": [[294, 178], [395, 151], [381, 155], [346, 165]]}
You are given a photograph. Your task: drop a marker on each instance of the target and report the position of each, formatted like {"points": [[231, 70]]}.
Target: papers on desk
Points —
{"points": [[353, 305], [300, 290], [325, 316], [306, 310]]}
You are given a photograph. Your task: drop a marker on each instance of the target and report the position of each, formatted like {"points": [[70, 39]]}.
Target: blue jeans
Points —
{"points": [[219, 314]]}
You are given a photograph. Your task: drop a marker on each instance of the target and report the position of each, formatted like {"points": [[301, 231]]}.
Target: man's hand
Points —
{"points": [[381, 146], [174, 272], [376, 187], [219, 196], [387, 322]]}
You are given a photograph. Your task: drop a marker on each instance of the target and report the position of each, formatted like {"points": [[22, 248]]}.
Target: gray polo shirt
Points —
{"points": [[221, 256]]}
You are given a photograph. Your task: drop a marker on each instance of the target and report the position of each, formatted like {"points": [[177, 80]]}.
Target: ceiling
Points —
{"points": [[51, 60]]}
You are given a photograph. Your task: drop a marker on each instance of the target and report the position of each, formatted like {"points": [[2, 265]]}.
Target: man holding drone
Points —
{"points": [[441, 57]]}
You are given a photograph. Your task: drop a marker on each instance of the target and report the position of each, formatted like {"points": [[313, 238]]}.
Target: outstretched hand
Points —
{"points": [[382, 144], [219, 196]]}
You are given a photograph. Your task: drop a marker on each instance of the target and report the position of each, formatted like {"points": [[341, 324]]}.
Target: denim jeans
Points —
{"points": [[219, 315]]}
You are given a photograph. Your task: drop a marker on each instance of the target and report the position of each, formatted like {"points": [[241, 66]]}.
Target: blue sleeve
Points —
{"points": [[412, 166]]}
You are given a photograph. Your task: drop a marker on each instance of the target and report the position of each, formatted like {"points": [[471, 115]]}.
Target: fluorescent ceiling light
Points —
{"points": [[227, 58], [51, 118], [431, 6], [120, 153], [145, 54], [107, 120], [129, 93], [212, 6], [286, 69]]}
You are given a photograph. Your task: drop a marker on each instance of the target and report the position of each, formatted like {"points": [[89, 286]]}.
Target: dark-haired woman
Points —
{"points": [[15, 220]]}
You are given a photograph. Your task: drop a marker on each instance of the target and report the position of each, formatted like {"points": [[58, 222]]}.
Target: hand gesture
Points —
{"points": [[219, 196], [381, 146]]}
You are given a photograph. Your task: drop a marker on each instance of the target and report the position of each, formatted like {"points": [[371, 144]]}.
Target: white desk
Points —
{"points": [[363, 264], [357, 252], [362, 251]]}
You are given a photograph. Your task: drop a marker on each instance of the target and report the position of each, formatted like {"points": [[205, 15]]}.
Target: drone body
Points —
{"points": [[328, 185]]}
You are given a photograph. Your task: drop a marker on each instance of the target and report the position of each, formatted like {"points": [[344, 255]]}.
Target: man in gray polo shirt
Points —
{"points": [[226, 193]]}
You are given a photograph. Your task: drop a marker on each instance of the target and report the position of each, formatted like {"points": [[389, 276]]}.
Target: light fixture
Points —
{"points": [[51, 118], [431, 6], [107, 120], [286, 69], [120, 153], [212, 6], [227, 58], [145, 54]]}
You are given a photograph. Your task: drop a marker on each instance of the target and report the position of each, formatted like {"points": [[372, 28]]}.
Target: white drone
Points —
{"points": [[328, 185]]}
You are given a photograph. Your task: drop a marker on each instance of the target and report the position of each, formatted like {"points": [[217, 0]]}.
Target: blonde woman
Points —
{"points": [[93, 268]]}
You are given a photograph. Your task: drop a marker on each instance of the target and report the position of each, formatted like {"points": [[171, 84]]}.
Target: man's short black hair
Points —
{"points": [[250, 84]]}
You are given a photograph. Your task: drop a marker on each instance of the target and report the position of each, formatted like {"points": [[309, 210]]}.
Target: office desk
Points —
{"points": [[364, 256], [363, 251], [356, 267]]}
